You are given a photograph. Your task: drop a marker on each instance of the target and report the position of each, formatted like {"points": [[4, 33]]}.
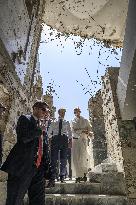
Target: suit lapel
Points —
{"points": [[33, 121]]}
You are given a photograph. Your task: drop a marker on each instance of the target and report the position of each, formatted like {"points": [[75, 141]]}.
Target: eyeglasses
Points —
{"points": [[42, 108]]}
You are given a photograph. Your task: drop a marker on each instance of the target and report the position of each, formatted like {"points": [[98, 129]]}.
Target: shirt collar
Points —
{"points": [[60, 118], [35, 117]]}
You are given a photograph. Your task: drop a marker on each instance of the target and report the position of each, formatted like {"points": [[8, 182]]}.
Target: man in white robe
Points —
{"points": [[82, 150]]}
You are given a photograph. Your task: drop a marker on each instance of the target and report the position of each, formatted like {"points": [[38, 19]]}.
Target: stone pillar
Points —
{"points": [[111, 116], [98, 127], [127, 130], [120, 134]]}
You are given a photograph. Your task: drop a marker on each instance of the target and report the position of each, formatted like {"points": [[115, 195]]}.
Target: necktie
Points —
{"points": [[39, 158], [60, 126], [40, 150]]}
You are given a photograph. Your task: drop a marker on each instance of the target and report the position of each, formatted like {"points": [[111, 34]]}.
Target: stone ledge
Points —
{"points": [[2, 193], [3, 176], [75, 188], [75, 199]]}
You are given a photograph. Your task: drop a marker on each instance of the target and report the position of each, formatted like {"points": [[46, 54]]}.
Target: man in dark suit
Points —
{"points": [[24, 163], [2, 110], [46, 152]]}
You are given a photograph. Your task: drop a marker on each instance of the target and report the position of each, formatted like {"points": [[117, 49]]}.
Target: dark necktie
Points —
{"points": [[60, 126]]}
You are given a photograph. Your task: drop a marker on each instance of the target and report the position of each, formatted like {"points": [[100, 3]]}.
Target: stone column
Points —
{"points": [[127, 130], [98, 127], [111, 115]]}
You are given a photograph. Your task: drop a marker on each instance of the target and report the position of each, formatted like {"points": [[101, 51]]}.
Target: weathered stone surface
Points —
{"points": [[3, 176], [109, 167], [20, 31], [75, 188], [107, 184], [2, 193], [85, 200], [111, 116], [110, 183], [88, 18], [132, 202], [128, 142], [98, 127]]}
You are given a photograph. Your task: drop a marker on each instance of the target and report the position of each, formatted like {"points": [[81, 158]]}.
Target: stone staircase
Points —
{"points": [[107, 192]]}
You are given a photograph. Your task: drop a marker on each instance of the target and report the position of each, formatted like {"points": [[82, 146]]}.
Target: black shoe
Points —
{"points": [[51, 184], [58, 179], [62, 179]]}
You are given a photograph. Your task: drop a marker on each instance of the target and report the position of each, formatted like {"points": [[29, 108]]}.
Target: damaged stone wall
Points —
{"points": [[20, 32], [103, 20], [111, 117], [120, 134], [20, 80], [127, 130], [98, 127]]}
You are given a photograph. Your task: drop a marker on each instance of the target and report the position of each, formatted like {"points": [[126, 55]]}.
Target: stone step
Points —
{"points": [[75, 188], [110, 176], [85, 188], [111, 183], [88, 199]]}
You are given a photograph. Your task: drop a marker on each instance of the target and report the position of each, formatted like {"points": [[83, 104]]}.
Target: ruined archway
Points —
{"points": [[14, 56]]}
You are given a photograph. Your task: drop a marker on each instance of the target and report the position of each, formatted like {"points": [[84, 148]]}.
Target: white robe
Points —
{"points": [[82, 151]]}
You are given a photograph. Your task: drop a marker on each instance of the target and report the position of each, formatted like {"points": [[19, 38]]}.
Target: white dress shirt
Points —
{"points": [[54, 129]]}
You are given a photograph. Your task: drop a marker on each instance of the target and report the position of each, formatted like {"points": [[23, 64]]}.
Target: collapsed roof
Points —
{"points": [[100, 19]]}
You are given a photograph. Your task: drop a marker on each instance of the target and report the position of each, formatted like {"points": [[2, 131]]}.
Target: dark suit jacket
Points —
{"points": [[22, 157]]}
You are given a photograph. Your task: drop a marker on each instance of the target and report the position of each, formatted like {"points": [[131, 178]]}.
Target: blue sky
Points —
{"points": [[66, 67]]}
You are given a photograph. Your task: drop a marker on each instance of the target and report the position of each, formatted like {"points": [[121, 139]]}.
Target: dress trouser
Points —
{"points": [[33, 182], [59, 144], [69, 162]]}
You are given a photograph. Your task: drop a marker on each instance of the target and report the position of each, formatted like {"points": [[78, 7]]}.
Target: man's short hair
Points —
{"points": [[77, 109], [40, 104], [62, 109]]}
